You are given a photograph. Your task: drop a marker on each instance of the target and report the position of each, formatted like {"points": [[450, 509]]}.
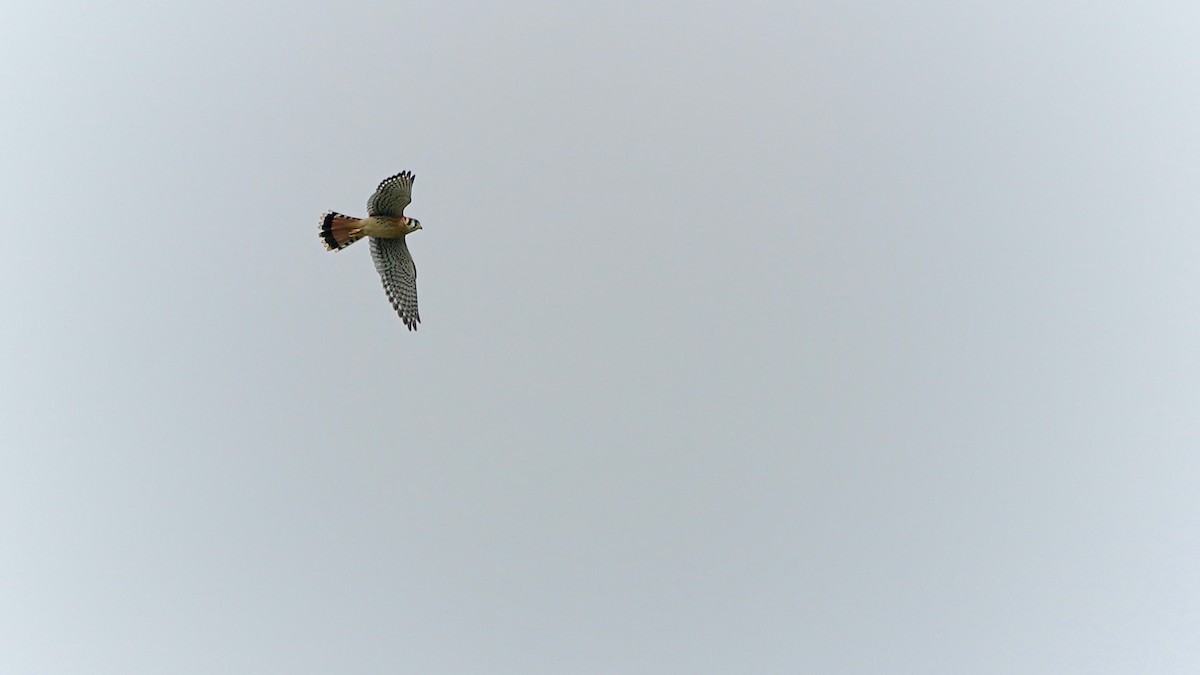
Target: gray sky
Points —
{"points": [[758, 338]]}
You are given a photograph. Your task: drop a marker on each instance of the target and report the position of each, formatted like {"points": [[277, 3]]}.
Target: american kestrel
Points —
{"points": [[387, 226]]}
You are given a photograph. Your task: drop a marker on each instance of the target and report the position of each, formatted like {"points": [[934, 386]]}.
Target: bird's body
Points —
{"points": [[387, 227], [384, 226]]}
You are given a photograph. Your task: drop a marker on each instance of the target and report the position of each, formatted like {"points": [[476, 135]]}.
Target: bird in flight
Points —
{"points": [[387, 226]]}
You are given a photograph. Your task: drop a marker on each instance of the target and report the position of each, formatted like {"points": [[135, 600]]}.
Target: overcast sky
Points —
{"points": [[758, 337]]}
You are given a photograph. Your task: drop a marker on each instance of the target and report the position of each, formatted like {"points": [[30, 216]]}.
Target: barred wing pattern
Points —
{"points": [[399, 275], [392, 195]]}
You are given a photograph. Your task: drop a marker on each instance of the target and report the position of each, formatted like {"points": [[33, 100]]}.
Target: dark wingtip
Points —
{"points": [[408, 175]]}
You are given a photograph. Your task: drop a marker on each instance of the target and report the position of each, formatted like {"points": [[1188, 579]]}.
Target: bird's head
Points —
{"points": [[413, 225]]}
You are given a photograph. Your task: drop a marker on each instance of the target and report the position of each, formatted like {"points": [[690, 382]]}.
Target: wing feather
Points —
{"points": [[392, 195], [399, 275]]}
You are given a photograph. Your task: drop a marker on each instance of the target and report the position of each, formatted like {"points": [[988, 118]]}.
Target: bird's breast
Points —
{"points": [[383, 226]]}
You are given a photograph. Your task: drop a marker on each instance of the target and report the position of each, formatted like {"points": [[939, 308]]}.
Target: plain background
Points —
{"points": [[759, 337]]}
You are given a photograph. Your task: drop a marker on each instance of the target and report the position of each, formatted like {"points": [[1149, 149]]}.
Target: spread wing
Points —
{"points": [[392, 195], [399, 275]]}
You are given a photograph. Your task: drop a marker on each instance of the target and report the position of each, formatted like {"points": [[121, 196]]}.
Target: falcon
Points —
{"points": [[386, 226]]}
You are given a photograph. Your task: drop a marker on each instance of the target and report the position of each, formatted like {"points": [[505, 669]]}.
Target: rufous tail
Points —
{"points": [[338, 231]]}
